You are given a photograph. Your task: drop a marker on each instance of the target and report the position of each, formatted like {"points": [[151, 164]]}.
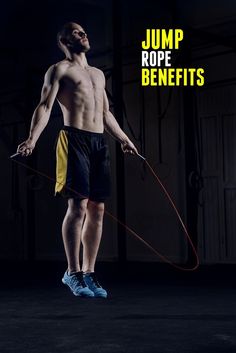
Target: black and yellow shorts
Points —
{"points": [[82, 165]]}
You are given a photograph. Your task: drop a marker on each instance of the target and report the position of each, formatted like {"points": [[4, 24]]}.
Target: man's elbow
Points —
{"points": [[45, 107]]}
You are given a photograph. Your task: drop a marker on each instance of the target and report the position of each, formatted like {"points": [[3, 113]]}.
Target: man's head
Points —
{"points": [[72, 39]]}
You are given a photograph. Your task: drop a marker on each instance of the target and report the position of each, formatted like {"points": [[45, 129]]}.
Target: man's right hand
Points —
{"points": [[26, 148]]}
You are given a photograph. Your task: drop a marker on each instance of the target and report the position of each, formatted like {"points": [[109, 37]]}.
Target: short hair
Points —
{"points": [[63, 34]]}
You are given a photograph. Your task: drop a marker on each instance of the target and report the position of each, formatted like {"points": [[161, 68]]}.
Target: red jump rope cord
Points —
{"points": [[162, 257]]}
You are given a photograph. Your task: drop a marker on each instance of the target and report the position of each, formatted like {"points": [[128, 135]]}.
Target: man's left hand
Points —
{"points": [[128, 147]]}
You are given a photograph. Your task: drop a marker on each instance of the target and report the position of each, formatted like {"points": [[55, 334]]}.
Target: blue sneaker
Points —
{"points": [[92, 283], [77, 285]]}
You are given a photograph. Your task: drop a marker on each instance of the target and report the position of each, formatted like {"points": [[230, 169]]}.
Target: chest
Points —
{"points": [[82, 79]]}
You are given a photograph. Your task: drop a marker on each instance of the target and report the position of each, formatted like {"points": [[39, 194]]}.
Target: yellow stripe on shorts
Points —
{"points": [[61, 161]]}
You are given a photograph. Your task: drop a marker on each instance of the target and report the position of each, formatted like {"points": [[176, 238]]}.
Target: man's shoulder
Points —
{"points": [[95, 69], [58, 68], [98, 74], [62, 65]]}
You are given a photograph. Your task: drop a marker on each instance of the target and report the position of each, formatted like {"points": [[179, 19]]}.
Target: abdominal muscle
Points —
{"points": [[82, 108], [85, 120]]}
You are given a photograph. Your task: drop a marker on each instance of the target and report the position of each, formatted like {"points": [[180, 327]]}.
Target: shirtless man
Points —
{"points": [[83, 170]]}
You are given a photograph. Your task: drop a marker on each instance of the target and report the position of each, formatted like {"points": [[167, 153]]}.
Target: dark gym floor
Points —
{"points": [[151, 309]]}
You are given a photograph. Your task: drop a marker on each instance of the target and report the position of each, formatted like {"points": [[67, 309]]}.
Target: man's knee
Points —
{"points": [[77, 207], [95, 210]]}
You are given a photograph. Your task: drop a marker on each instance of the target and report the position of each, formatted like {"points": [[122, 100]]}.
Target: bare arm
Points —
{"points": [[43, 110], [113, 128]]}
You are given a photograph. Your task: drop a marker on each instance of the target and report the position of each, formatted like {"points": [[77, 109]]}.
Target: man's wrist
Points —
{"points": [[125, 140], [32, 140]]}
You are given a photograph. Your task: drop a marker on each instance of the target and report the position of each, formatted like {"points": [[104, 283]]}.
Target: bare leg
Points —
{"points": [[91, 234], [71, 232]]}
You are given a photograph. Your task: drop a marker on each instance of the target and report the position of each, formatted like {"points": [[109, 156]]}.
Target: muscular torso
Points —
{"points": [[80, 97]]}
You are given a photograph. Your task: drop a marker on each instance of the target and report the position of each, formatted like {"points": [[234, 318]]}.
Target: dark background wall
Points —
{"points": [[187, 134]]}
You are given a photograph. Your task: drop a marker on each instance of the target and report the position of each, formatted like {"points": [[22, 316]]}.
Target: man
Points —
{"points": [[83, 170]]}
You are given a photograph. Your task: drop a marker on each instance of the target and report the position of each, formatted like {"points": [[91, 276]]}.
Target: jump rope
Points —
{"points": [[164, 190]]}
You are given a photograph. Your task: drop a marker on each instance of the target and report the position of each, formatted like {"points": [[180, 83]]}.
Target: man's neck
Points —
{"points": [[79, 59]]}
